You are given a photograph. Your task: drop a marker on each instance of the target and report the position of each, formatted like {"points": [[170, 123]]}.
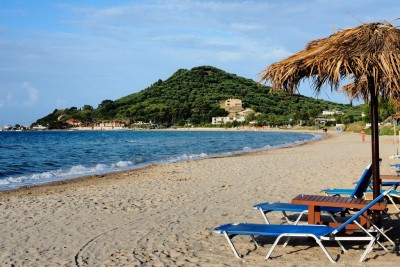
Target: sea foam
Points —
{"points": [[37, 158]]}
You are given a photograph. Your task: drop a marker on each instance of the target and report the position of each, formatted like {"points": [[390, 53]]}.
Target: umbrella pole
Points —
{"points": [[376, 182], [395, 153]]}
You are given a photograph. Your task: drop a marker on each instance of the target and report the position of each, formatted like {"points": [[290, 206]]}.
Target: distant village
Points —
{"points": [[233, 106], [236, 112]]}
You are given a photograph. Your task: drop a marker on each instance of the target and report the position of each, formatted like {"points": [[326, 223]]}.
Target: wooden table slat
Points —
{"points": [[315, 202], [334, 201]]}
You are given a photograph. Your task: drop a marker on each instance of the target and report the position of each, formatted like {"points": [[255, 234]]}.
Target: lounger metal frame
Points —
{"points": [[358, 192], [372, 235]]}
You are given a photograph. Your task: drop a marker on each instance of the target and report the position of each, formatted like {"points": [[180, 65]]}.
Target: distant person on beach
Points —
{"points": [[363, 135]]}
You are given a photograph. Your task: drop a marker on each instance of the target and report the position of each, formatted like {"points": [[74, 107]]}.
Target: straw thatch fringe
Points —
{"points": [[369, 50]]}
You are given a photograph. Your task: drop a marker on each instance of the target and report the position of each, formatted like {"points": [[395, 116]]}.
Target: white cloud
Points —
{"points": [[32, 92], [227, 30]]}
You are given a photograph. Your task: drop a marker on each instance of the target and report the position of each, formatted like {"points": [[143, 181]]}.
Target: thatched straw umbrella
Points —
{"points": [[352, 90], [369, 53]]}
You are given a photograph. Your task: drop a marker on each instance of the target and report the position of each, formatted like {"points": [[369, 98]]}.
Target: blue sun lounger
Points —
{"points": [[391, 183], [318, 232], [358, 192], [396, 166], [348, 191]]}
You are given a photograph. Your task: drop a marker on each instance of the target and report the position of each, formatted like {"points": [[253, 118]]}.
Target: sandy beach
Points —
{"points": [[163, 215]]}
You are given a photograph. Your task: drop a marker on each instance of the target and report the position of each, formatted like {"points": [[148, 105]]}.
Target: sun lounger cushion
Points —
{"points": [[272, 229]]}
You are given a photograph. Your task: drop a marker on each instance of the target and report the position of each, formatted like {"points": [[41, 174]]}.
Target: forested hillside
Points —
{"points": [[193, 97]]}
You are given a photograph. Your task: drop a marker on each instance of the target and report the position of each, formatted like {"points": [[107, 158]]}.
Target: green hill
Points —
{"points": [[193, 96]]}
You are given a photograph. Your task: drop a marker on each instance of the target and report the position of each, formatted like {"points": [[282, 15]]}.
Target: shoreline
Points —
{"points": [[227, 154], [163, 215], [240, 128]]}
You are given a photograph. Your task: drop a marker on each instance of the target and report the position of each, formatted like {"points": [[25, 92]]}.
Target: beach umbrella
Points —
{"points": [[366, 56]]}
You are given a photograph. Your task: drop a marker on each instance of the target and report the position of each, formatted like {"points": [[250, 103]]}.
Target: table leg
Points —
{"points": [[314, 214]]}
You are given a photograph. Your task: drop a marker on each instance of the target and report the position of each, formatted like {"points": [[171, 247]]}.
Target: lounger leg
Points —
{"points": [[379, 243], [380, 232], [323, 248], [231, 244], [341, 246], [295, 223], [264, 214], [367, 250], [298, 218], [394, 203], [286, 217], [286, 242], [374, 240], [390, 241], [274, 245], [288, 235], [255, 241]]}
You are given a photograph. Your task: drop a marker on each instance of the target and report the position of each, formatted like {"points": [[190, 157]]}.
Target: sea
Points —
{"points": [[31, 158]]}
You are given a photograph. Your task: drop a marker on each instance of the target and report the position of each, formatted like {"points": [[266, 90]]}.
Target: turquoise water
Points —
{"points": [[28, 158]]}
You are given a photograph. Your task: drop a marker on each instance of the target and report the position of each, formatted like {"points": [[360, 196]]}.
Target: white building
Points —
{"points": [[224, 120], [219, 120], [331, 112]]}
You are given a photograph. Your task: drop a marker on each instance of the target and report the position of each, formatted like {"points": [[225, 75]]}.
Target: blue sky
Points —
{"points": [[57, 54]]}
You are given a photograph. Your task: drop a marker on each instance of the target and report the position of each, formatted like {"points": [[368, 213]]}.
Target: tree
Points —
{"points": [[194, 95], [71, 110], [250, 117], [107, 109], [262, 120], [314, 112], [87, 107], [338, 118], [348, 118], [106, 104]]}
